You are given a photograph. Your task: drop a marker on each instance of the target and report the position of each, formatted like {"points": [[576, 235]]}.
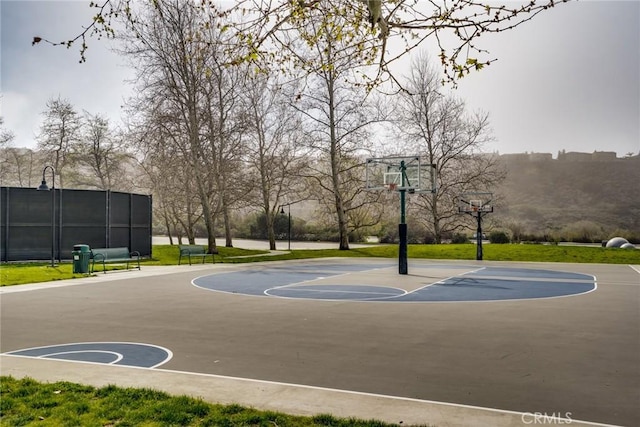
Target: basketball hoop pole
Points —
{"points": [[481, 211], [402, 227], [479, 237]]}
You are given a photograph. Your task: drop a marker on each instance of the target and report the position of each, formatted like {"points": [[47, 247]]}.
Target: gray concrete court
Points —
{"points": [[572, 356]]}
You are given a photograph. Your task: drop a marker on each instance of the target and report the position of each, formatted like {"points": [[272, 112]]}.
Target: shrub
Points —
{"points": [[429, 239], [459, 238], [498, 237]]}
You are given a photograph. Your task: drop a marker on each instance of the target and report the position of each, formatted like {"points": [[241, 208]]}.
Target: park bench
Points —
{"points": [[194, 251], [105, 256]]}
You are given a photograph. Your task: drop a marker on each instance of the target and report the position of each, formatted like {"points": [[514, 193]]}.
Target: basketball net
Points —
{"points": [[391, 187]]}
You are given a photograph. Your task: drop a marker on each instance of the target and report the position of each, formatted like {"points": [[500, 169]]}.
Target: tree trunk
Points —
{"points": [[227, 226], [167, 225], [437, 231], [209, 220], [211, 236], [343, 228], [271, 234]]}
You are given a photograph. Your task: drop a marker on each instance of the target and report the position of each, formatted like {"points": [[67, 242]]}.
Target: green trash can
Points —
{"points": [[81, 255]]}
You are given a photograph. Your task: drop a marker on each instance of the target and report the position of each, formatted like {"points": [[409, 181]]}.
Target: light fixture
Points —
{"points": [[44, 187]]}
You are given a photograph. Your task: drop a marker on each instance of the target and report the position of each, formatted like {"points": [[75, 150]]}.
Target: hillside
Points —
{"points": [[550, 195]]}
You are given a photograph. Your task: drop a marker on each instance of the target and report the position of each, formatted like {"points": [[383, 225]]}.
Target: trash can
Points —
{"points": [[81, 255]]}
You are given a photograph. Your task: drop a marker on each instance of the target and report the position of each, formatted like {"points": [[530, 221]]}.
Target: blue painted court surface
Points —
{"points": [[361, 282], [110, 353]]}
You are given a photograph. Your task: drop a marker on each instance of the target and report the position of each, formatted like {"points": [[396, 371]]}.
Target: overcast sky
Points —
{"points": [[569, 79]]}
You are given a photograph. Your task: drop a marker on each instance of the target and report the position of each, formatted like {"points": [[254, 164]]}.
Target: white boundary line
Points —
{"points": [[636, 268], [306, 288], [119, 356], [439, 282], [302, 284], [193, 283], [305, 281]]}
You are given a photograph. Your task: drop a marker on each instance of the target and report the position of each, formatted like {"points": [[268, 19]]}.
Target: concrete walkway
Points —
{"points": [[266, 395]]}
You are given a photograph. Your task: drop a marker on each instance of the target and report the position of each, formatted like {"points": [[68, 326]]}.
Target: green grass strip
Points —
{"points": [[26, 402], [20, 273]]}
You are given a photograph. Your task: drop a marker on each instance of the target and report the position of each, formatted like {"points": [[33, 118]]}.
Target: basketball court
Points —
{"points": [[493, 341]]}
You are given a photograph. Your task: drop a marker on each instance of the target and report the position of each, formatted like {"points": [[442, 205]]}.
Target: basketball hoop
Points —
{"points": [[392, 187], [475, 204]]}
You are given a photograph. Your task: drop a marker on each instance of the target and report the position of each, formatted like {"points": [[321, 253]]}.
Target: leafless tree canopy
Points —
{"points": [[275, 148], [437, 125]]}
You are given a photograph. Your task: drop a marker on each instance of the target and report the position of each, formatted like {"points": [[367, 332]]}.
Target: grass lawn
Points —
{"points": [[26, 402], [20, 273]]}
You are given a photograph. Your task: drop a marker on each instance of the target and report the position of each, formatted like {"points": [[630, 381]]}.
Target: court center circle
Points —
{"points": [[336, 292]]}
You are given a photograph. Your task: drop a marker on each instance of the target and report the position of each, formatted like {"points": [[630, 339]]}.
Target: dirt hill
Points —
{"points": [[559, 196]]}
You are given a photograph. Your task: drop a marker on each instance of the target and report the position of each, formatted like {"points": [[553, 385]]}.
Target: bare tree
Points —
{"points": [[224, 121], [21, 167], [59, 133], [360, 208], [337, 116], [18, 166], [274, 148], [6, 136], [170, 180], [100, 156], [437, 126], [171, 59]]}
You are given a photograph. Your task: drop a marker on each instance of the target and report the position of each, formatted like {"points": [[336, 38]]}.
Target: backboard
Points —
{"points": [[409, 173], [475, 203]]}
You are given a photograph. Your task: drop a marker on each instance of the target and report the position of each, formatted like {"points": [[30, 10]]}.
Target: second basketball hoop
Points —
{"points": [[477, 205]]}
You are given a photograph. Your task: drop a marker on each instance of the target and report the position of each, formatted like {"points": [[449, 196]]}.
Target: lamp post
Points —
{"points": [[44, 187], [289, 224]]}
